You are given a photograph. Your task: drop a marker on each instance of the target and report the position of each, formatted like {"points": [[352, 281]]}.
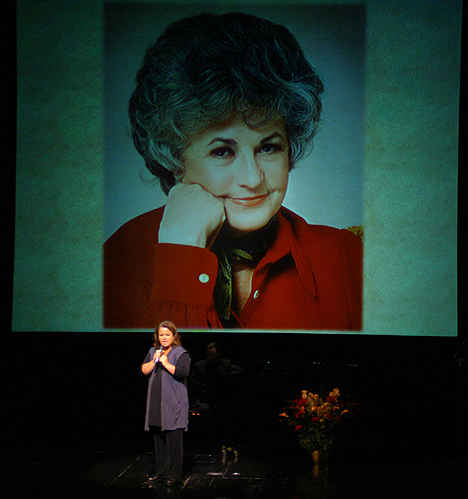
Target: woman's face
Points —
{"points": [[165, 337], [246, 168]]}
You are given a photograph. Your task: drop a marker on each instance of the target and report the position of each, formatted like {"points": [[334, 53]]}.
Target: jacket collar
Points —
{"points": [[287, 242]]}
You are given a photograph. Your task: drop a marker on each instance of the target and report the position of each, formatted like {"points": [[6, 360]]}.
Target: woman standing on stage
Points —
{"points": [[168, 365]]}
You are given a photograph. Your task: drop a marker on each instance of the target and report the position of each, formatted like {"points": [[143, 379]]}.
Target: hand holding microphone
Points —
{"points": [[157, 355]]}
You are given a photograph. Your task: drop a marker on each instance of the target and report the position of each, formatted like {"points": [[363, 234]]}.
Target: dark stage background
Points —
{"points": [[75, 392]]}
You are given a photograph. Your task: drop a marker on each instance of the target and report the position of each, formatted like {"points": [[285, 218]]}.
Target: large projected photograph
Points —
{"points": [[252, 127], [286, 166]]}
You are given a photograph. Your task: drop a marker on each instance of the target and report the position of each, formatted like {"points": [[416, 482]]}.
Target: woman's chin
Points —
{"points": [[239, 226]]}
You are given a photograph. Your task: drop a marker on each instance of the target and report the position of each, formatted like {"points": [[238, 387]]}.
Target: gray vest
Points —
{"points": [[174, 399]]}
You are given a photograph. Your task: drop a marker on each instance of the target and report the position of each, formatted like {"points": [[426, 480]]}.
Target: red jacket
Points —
{"points": [[310, 279]]}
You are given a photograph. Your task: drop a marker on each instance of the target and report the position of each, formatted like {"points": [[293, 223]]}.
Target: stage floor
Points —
{"points": [[218, 475], [77, 432]]}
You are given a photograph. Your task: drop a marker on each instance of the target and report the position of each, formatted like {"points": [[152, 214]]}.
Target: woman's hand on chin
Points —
{"points": [[192, 216]]}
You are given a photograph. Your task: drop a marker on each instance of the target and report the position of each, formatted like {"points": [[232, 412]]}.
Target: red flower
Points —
{"points": [[330, 399], [303, 402], [315, 419], [298, 427], [299, 413]]}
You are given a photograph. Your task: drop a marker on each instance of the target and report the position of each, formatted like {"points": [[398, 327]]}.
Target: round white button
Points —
{"points": [[204, 278], [255, 295]]}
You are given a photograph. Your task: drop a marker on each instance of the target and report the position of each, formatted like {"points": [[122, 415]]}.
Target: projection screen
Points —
{"points": [[385, 158]]}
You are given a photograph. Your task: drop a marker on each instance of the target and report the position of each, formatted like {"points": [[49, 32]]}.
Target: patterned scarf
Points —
{"points": [[249, 248]]}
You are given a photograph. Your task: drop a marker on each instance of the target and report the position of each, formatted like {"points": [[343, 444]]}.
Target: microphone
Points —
{"points": [[160, 349]]}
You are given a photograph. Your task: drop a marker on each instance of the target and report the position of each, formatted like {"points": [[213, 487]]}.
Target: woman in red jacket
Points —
{"points": [[223, 109]]}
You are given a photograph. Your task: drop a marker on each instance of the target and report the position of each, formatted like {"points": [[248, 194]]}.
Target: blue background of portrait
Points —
{"points": [[326, 187]]}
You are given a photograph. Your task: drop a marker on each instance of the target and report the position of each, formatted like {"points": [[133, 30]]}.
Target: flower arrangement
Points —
{"points": [[317, 419]]}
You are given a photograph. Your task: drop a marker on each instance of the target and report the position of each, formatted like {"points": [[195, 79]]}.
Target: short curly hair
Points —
{"points": [[206, 69]]}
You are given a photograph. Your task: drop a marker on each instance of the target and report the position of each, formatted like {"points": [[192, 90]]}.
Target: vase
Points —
{"points": [[319, 456]]}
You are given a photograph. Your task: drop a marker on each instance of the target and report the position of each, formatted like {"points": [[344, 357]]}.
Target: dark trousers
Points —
{"points": [[168, 452]]}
